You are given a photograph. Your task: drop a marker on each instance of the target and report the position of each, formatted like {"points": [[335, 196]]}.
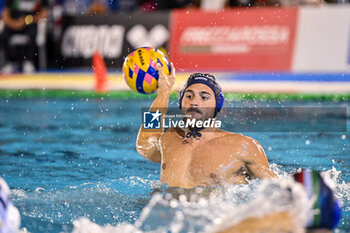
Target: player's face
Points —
{"points": [[199, 102]]}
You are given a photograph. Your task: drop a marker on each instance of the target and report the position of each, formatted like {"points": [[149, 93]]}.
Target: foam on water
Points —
{"points": [[216, 211]]}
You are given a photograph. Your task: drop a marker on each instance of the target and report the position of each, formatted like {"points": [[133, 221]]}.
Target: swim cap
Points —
{"points": [[327, 208], [208, 80]]}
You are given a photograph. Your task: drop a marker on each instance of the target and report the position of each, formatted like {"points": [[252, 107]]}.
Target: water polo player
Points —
{"points": [[9, 215], [327, 210], [200, 156], [323, 218]]}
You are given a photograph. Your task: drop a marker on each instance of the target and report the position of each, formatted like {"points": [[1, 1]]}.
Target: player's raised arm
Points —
{"points": [[147, 143]]}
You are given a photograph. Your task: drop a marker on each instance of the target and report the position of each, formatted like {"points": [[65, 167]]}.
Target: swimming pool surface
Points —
{"points": [[70, 158]]}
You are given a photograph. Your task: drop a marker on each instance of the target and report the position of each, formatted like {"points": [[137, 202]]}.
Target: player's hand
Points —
{"points": [[165, 83], [18, 24]]}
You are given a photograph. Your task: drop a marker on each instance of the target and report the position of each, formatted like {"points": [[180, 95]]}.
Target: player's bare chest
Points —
{"points": [[196, 154], [185, 147]]}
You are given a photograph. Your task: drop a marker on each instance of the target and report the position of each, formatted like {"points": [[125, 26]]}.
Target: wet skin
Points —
{"points": [[217, 157]]}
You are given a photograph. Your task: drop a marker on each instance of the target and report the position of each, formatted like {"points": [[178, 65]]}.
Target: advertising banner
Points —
{"points": [[114, 36], [323, 41], [256, 39], [303, 39]]}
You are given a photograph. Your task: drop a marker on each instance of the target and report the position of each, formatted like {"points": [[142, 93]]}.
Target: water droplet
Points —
{"points": [[182, 198], [217, 220], [173, 203]]}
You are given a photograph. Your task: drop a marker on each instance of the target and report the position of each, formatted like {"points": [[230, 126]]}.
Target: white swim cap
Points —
{"points": [[9, 215]]}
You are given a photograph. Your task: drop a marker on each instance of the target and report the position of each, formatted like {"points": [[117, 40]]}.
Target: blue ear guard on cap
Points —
{"points": [[208, 80]]}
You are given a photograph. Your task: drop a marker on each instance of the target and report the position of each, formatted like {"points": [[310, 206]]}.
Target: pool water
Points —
{"points": [[65, 159]]}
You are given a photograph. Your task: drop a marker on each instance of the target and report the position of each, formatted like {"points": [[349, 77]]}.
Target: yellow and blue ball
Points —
{"points": [[139, 69]]}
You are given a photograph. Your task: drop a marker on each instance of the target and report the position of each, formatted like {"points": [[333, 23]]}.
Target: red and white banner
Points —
{"points": [[243, 40], [323, 39]]}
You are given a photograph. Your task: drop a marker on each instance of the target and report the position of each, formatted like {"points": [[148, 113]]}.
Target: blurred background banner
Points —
{"points": [[323, 39], [304, 39], [299, 39], [113, 35], [240, 39]]}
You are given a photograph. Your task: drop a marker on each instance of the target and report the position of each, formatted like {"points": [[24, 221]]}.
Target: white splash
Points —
{"points": [[219, 212]]}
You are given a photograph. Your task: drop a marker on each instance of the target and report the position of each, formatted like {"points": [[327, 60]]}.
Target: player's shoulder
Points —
{"points": [[241, 139], [230, 136], [249, 139]]}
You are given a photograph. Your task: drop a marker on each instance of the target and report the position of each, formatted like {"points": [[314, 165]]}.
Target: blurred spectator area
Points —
{"points": [[2, 3], [79, 7], [74, 7]]}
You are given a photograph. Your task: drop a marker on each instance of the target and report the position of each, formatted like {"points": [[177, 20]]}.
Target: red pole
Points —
{"points": [[100, 71]]}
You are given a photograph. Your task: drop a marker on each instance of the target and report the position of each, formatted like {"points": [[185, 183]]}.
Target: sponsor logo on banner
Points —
{"points": [[138, 36], [242, 40], [228, 40], [113, 35], [84, 41]]}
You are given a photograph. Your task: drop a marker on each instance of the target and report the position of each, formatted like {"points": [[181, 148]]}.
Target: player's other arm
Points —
{"points": [[147, 143], [256, 160], [14, 24]]}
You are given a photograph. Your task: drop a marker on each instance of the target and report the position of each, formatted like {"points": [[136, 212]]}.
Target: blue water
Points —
{"points": [[71, 158]]}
